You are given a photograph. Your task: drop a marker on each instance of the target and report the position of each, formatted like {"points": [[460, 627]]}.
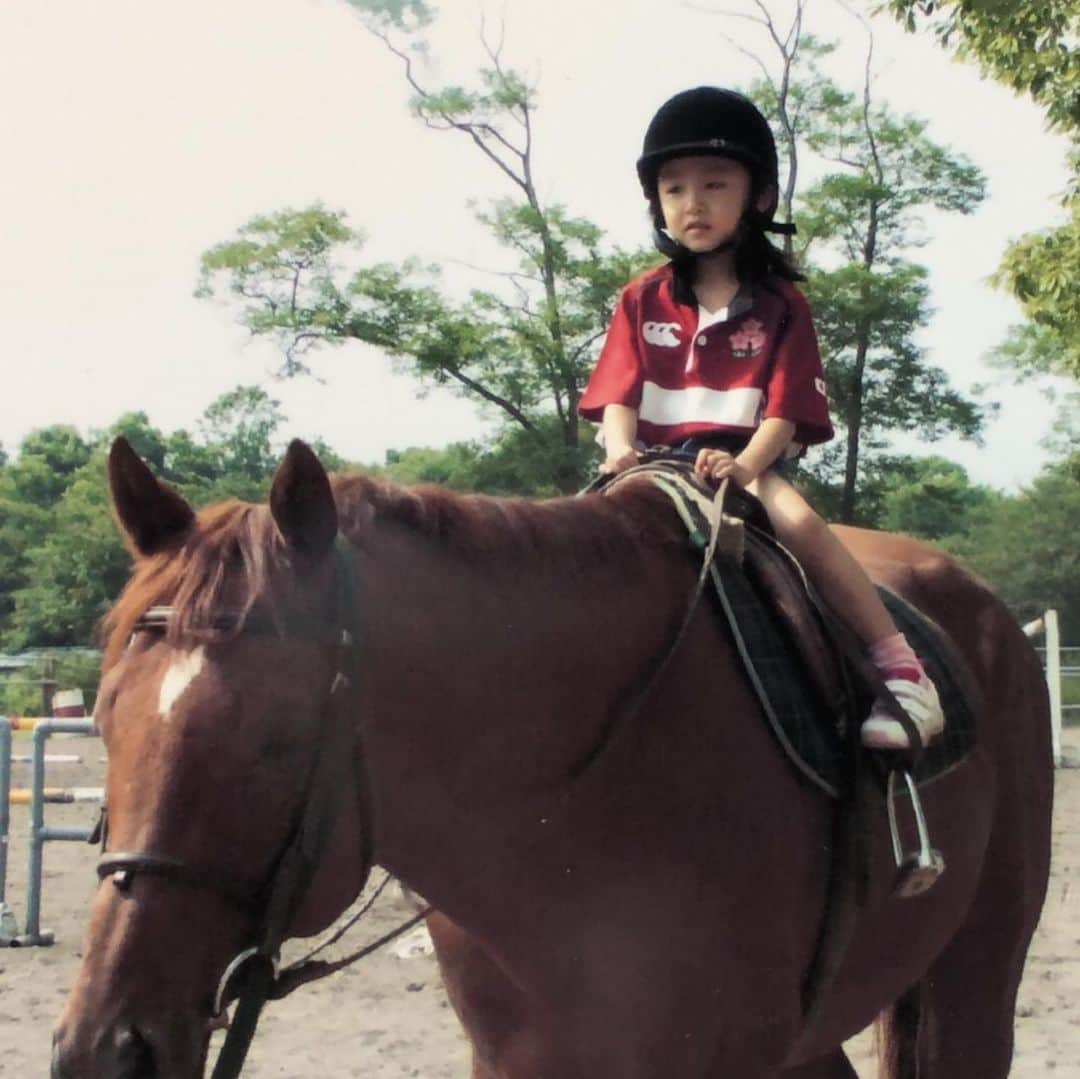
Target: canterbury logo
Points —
{"points": [[665, 334]]}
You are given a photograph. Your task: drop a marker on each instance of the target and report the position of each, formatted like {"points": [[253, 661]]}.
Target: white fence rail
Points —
{"points": [[1059, 664]]}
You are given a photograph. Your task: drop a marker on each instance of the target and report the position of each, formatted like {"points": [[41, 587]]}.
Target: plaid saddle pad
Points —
{"points": [[810, 726]]}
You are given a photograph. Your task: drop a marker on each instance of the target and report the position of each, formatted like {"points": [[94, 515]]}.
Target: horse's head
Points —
{"points": [[215, 702]]}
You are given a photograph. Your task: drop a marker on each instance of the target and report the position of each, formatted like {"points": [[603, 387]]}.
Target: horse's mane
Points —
{"points": [[199, 580], [197, 577]]}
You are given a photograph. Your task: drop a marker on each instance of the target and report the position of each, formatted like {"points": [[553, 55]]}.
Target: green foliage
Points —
{"points": [[1041, 271], [75, 570], [22, 526], [875, 315], [518, 462], [525, 350], [47, 459], [856, 225], [21, 694], [1031, 47], [891, 172], [934, 499], [523, 346], [62, 561], [280, 271], [401, 14], [1026, 547], [928, 497], [1028, 46]]}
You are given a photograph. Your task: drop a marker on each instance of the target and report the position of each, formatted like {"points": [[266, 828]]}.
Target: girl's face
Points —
{"points": [[703, 199]]}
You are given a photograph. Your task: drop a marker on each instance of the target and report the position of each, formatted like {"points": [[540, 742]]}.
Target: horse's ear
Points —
{"points": [[302, 502], [154, 516]]}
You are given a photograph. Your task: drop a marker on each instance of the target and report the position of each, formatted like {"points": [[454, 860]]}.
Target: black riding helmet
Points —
{"points": [[709, 120]]}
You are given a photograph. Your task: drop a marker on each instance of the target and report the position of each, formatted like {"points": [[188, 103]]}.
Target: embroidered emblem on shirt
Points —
{"points": [[748, 339], [665, 334]]}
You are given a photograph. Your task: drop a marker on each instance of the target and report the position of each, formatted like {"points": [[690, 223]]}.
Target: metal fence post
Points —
{"points": [[8, 929], [39, 834]]}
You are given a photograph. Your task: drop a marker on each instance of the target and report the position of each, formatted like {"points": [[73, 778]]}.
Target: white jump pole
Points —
{"points": [[1053, 680], [1048, 626]]}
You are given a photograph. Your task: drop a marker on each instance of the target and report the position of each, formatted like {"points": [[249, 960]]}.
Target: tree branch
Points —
{"points": [[471, 129], [507, 406]]}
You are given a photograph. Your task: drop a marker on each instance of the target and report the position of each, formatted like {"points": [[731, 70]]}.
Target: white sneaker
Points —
{"points": [[920, 700]]}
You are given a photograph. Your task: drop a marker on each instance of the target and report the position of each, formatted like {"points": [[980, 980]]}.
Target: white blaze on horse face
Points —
{"points": [[177, 678]]}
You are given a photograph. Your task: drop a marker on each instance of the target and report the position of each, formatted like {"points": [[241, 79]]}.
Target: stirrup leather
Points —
{"points": [[917, 871]]}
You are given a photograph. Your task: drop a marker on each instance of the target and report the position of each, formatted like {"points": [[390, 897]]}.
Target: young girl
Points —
{"points": [[715, 353]]}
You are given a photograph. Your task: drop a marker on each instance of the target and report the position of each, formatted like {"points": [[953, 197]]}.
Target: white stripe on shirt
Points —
{"points": [[699, 404]]}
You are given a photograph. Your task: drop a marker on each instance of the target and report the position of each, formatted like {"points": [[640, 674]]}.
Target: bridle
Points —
{"points": [[251, 975]]}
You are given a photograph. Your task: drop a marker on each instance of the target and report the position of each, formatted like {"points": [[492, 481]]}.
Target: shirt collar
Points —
{"points": [[682, 289]]}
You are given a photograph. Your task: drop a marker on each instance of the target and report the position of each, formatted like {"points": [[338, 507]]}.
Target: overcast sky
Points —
{"points": [[138, 133]]}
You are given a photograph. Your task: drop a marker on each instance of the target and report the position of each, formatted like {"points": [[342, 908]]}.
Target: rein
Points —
{"points": [[252, 976]]}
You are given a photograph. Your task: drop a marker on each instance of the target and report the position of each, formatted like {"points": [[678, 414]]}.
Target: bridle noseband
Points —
{"points": [[275, 901]]}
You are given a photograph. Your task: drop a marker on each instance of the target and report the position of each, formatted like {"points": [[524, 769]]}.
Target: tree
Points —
{"points": [[1026, 547], [1030, 47], [30, 486], [524, 348], [865, 214], [934, 499], [46, 460], [76, 569], [856, 225], [62, 561], [509, 465]]}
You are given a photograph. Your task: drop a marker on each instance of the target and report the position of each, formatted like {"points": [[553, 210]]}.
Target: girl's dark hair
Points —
{"points": [[756, 256]]}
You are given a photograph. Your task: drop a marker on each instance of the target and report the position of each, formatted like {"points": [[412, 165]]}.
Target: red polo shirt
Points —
{"points": [[727, 376]]}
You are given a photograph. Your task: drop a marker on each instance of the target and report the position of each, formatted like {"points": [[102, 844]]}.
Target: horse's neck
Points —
{"points": [[489, 688]]}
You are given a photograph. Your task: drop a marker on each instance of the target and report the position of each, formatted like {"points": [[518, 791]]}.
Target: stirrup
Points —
{"points": [[917, 871]]}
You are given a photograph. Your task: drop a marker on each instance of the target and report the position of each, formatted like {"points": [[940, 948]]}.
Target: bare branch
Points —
{"points": [[488, 395], [493, 53], [867, 79], [585, 345], [258, 294], [726, 14], [767, 22], [470, 129], [510, 275], [750, 56]]}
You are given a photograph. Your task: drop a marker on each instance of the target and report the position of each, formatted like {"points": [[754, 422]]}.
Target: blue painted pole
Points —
{"points": [[39, 834]]}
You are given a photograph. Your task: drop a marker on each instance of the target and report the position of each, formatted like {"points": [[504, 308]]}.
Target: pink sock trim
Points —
{"points": [[895, 658]]}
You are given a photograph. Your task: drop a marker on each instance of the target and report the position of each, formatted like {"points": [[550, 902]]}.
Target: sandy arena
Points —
{"points": [[388, 1016]]}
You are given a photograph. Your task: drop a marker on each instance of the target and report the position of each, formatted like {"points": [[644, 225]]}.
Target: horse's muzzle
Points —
{"points": [[125, 1052]]}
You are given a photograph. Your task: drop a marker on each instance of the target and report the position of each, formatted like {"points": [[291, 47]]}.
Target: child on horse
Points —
{"points": [[715, 353]]}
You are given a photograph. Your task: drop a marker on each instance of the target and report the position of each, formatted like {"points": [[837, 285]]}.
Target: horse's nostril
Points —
{"points": [[134, 1056]]}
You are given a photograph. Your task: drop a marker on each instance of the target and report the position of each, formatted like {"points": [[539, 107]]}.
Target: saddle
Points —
{"points": [[815, 688], [805, 667]]}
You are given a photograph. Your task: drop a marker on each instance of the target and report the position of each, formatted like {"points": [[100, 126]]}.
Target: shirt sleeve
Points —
{"points": [[617, 377], [796, 390]]}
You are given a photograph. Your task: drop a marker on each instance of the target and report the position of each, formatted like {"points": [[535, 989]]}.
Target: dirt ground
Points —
{"points": [[388, 1016]]}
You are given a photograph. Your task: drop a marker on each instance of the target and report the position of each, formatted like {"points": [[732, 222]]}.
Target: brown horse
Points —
{"points": [[625, 892]]}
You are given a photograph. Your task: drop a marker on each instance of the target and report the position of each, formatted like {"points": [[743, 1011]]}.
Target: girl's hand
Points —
{"points": [[619, 459], [720, 465]]}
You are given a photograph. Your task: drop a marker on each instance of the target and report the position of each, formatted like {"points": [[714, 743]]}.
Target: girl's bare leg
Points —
{"points": [[842, 582], [845, 586]]}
